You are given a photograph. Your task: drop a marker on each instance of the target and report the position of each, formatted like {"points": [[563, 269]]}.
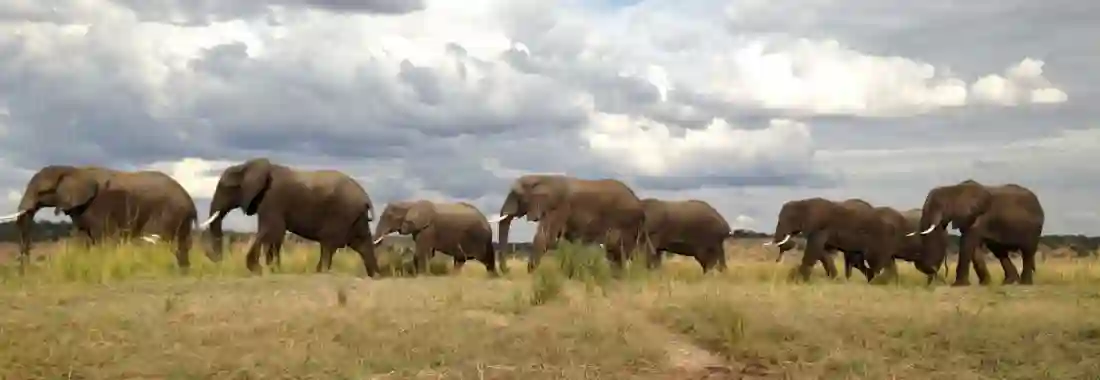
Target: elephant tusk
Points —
{"points": [[380, 237], [781, 242], [210, 220], [11, 217], [925, 232], [498, 218], [152, 238]]}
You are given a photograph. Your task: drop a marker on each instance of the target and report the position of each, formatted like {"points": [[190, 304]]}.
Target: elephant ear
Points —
{"points": [[969, 200], [76, 189], [548, 194], [420, 215], [512, 204], [256, 178], [818, 213]]}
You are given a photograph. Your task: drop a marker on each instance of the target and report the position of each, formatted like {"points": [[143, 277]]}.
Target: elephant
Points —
{"points": [[325, 206], [1003, 218], [911, 248], [847, 226], [686, 227], [852, 258], [105, 203], [456, 229], [604, 210]]}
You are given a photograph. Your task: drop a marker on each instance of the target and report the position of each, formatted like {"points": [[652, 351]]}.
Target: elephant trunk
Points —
{"points": [[511, 209], [23, 225], [782, 239], [502, 234], [933, 252], [216, 234], [382, 229]]}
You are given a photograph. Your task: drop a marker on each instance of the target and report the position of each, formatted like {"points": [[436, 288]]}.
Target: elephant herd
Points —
{"points": [[1002, 218], [331, 208]]}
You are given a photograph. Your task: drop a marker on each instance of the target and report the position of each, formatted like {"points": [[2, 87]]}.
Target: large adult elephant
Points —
{"points": [[1004, 218], [107, 204], [686, 227], [846, 226], [851, 257], [456, 229], [325, 206], [595, 209]]}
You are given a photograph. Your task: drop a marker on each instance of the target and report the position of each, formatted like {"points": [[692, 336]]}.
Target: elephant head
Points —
{"points": [[240, 186], [798, 217], [535, 196], [958, 205], [68, 189], [405, 218]]}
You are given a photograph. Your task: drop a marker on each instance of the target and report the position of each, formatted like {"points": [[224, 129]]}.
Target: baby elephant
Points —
{"points": [[455, 229]]}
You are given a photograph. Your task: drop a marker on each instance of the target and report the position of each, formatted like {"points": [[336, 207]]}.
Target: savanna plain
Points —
{"points": [[123, 312]]}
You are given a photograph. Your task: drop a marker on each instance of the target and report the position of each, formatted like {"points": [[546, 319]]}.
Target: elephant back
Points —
{"points": [[697, 216], [460, 213]]}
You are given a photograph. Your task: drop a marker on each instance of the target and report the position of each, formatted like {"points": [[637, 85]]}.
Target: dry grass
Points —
{"points": [[123, 313]]}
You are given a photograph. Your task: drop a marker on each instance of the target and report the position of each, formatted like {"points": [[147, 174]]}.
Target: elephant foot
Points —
{"points": [[960, 282], [1010, 281], [1027, 280]]}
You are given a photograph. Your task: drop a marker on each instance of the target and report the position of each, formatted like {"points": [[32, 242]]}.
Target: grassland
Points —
{"points": [[123, 313]]}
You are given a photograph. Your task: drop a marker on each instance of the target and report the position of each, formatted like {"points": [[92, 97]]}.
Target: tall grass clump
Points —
{"points": [[583, 263]]}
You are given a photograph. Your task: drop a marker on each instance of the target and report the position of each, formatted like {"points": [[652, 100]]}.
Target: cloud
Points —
{"points": [[1023, 82], [742, 100]]}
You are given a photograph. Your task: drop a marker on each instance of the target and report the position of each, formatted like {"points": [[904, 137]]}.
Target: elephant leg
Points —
{"points": [[252, 258], [421, 256], [825, 257], [540, 244], [980, 267], [183, 251], [364, 246], [277, 250], [1027, 254], [968, 244], [815, 251], [849, 260], [1011, 275], [458, 263]]}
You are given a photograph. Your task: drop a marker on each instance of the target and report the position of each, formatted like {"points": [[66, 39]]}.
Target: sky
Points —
{"points": [[744, 104]]}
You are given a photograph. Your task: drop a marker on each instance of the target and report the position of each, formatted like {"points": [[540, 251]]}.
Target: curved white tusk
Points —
{"points": [[210, 220], [152, 238], [498, 218], [379, 239], [929, 230], [781, 242], [10, 217]]}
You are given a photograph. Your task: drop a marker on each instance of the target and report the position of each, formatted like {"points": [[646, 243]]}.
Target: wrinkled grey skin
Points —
{"points": [[325, 206], [456, 229], [1004, 218], [110, 204], [603, 210], [686, 227]]}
